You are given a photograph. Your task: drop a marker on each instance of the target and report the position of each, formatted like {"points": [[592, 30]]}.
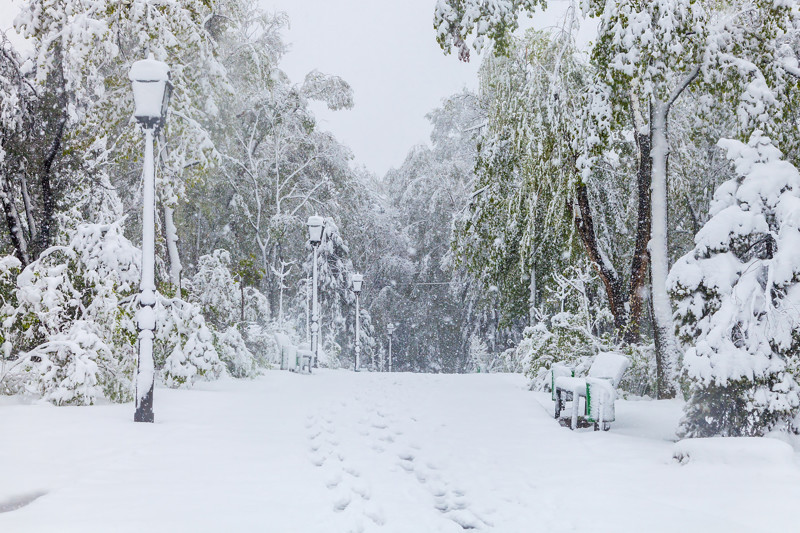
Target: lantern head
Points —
{"points": [[358, 280], [315, 226], [151, 91]]}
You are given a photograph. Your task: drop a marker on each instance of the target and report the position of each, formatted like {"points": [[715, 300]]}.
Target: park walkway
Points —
{"points": [[338, 452]]}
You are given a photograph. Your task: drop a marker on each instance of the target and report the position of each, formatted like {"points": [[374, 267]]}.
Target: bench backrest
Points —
{"points": [[282, 340], [609, 365]]}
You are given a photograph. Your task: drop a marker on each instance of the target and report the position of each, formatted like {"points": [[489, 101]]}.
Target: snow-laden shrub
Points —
{"points": [[234, 353], [640, 378], [184, 345], [71, 329], [237, 316], [330, 354], [256, 306], [260, 340], [508, 361], [214, 289], [739, 300], [10, 267], [77, 366], [565, 340], [479, 355]]}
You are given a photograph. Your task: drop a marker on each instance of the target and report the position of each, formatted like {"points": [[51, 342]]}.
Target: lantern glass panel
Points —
{"points": [[315, 227]]}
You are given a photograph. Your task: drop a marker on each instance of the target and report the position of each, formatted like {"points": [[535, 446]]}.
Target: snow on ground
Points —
{"points": [[339, 452]]}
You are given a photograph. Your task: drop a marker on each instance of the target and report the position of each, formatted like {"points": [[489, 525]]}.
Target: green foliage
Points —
{"points": [[563, 340], [72, 327], [733, 410], [640, 378], [456, 21], [518, 223]]}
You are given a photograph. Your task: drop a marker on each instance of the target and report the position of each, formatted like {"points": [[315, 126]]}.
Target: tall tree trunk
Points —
{"points": [[171, 236], [13, 223], [666, 345], [170, 231], [45, 237], [584, 223], [641, 257], [279, 253], [26, 200], [532, 297], [59, 108]]}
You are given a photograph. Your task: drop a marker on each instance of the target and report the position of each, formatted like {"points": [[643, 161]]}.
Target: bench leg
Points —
{"points": [[576, 400], [558, 404]]}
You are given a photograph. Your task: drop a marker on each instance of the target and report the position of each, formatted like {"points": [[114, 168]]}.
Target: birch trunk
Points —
{"points": [[171, 234], [532, 304], [13, 223], [170, 231], [666, 345]]}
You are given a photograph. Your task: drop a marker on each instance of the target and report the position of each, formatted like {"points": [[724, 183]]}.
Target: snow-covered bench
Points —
{"points": [[598, 388], [284, 343], [293, 358], [305, 357], [556, 371]]}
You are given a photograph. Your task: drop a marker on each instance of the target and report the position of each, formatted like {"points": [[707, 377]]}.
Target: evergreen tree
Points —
{"points": [[739, 300]]}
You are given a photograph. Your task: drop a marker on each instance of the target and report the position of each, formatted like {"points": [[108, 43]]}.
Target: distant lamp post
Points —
{"points": [[358, 280], [316, 226], [390, 331], [151, 93]]}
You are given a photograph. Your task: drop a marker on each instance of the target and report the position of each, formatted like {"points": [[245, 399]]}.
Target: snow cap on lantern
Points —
{"points": [[151, 91], [357, 279], [315, 226]]}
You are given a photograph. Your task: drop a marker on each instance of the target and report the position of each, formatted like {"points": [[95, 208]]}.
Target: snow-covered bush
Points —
{"points": [[260, 340], [77, 366], [256, 306], [640, 378], [257, 330], [508, 361], [10, 267], [233, 351], [184, 345], [479, 354], [214, 289], [69, 323], [71, 328], [739, 300], [563, 341], [237, 316], [572, 333]]}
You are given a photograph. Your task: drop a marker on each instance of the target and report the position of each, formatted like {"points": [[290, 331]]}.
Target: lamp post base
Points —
{"points": [[143, 416], [144, 411]]}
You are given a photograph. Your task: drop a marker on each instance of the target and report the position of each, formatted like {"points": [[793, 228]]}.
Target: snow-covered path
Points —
{"points": [[339, 452]]}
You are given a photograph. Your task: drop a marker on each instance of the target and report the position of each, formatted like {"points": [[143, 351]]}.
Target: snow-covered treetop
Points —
{"points": [[456, 20], [332, 90]]}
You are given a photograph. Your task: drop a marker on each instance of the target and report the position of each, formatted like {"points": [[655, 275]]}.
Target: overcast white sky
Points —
{"points": [[386, 50]]}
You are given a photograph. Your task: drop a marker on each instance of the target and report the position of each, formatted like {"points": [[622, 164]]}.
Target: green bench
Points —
{"points": [[598, 389]]}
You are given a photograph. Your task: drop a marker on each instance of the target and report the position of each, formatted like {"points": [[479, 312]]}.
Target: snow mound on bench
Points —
{"points": [[755, 451], [609, 365]]}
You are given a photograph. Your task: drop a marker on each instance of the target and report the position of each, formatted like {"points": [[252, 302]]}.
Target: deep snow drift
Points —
{"points": [[338, 451]]}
